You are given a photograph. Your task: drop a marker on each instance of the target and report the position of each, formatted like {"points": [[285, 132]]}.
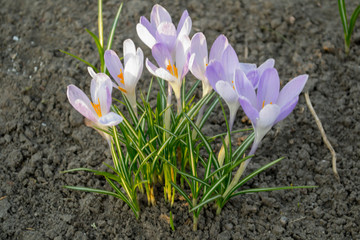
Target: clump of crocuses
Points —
{"points": [[161, 144]]}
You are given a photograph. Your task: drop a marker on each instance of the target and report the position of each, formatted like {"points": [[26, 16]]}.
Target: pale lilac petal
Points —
{"points": [[113, 64], [147, 25], [214, 73], [161, 55], [150, 66], [130, 73], [218, 48], [164, 74], [145, 35], [268, 89], [287, 109], [159, 72], [199, 56], [186, 28], [254, 78], [129, 50], [81, 102], [101, 88], [244, 87], [267, 64], [291, 90], [140, 61], [110, 119], [227, 92], [159, 14], [230, 62], [247, 67], [184, 16], [91, 72], [267, 118], [250, 111], [182, 55], [166, 34]]}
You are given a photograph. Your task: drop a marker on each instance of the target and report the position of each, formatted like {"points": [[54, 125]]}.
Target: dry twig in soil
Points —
{"points": [[325, 139]]}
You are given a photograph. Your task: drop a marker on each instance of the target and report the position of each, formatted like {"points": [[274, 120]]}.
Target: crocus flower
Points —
{"points": [[97, 110], [126, 77], [254, 73], [171, 69], [160, 29], [268, 106], [199, 59], [221, 76]]}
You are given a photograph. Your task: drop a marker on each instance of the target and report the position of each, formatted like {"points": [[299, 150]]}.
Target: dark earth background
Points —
{"points": [[41, 135]]}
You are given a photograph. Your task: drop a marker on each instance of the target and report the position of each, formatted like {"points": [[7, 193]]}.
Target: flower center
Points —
{"points": [[97, 108], [263, 104], [172, 69], [121, 76]]}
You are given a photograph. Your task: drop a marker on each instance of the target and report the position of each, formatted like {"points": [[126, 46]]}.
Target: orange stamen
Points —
{"points": [[172, 69], [122, 89], [97, 108], [121, 76], [263, 104]]}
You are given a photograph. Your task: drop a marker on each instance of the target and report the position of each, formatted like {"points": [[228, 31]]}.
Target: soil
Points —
{"points": [[41, 135]]}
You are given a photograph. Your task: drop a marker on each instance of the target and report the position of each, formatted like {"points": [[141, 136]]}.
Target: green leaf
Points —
{"points": [[342, 11], [208, 112], [250, 176], [188, 175], [123, 197], [99, 47], [239, 152], [112, 32], [213, 188], [182, 193], [192, 90], [256, 190], [93, 190], [353, 19], [203, 203], [80, 59]]}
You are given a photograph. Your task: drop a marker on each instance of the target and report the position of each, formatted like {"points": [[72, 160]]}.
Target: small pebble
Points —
{"points": [[16, 38], [284, 220]]}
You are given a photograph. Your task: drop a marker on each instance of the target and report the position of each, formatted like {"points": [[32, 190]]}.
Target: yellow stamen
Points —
{"points": [[97, 108], [123, 90], [172, 69], [234, 87], [121, 76]]}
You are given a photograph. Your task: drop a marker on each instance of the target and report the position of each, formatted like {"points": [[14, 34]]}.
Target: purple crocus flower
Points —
{"points": [[268, 106], [126, 77], [160, 29], [221, 76], [171, 69], [254, 73], [97, 111], [199, 59]]}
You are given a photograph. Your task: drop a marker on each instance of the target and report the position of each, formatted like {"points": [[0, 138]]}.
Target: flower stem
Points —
{"points": [[242, 168], [221, 155], [167, 113], [179, 105], [198, 120], [195, 222]]}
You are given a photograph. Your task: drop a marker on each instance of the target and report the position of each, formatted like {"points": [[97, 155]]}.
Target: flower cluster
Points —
{"points": [[159, 143]]}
